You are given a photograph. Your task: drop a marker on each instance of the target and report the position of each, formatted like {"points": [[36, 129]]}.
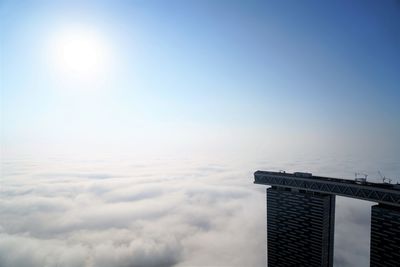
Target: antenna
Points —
{"points": [[385, 180]]}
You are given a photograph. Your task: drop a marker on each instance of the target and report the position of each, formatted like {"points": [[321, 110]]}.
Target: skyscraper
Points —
{"points": [[385, 236], [300, 228], [301, 215]]}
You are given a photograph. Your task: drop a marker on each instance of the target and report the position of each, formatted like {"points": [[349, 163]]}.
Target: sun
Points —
{"points": [[80, 52]]}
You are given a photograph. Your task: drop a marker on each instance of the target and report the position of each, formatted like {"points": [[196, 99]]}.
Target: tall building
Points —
{"points": [[301, 215], [300, 228], [385, 236]]}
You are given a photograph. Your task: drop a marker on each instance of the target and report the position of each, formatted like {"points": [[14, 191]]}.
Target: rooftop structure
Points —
{"points": [[377, 192], [301, 215]]}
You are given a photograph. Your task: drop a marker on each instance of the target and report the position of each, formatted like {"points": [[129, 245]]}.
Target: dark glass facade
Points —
{"points": [[301, 215], [300, 228], [385, 236]]}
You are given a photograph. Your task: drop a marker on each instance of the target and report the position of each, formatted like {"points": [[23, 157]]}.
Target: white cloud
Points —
{"points": [[163, 213], [145, 217]]}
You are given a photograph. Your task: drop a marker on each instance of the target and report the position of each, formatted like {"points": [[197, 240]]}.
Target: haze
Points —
{"points": [[130, 129]]}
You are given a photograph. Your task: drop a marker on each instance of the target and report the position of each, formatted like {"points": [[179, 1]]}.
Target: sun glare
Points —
{"points": [[80, 52]]}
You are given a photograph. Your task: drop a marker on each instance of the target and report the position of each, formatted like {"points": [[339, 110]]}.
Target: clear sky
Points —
{"points": [[200, 75]]}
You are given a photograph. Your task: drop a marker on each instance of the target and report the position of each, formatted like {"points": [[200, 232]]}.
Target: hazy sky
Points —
{"points": [[200, 75], [268, 82]]}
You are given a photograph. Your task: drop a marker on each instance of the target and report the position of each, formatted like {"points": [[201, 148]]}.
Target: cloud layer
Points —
{"points": [[88, 214], [148, 213]]}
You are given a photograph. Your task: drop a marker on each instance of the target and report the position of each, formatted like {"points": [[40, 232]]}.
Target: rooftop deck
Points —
{"points": [[377, 192]]}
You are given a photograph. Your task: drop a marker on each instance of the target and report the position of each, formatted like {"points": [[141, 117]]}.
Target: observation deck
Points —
{"points": [[383, 193]]}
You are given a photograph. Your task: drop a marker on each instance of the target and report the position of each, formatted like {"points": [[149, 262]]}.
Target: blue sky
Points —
{"points": [[295, 85], [184, 75]]}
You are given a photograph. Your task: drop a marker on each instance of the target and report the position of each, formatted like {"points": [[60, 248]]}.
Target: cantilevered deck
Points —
{"points": [[382, 193]]}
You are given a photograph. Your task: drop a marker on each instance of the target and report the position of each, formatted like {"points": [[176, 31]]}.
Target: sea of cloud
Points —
{"points": [[124, 212]]}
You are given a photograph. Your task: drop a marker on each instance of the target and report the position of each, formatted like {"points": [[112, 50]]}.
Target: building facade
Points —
{"points": [[300, 228], [385, 236], [301, 215]]}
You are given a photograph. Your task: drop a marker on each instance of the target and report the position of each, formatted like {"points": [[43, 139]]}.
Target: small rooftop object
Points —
{"points": [[385, 180], [360, 180]]}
